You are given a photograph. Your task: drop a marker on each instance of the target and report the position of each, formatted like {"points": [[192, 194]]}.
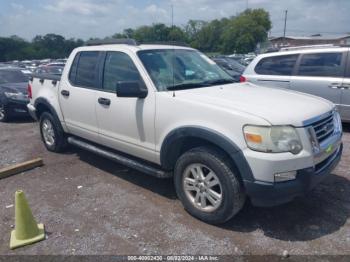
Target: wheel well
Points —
{"points": [[182, 145], [185, 138], [40, 109]]}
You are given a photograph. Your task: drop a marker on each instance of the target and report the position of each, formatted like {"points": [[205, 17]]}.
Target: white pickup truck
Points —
{"points": [[170, 111]]}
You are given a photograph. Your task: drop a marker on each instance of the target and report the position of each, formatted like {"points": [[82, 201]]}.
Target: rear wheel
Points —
{"points": [[3, 114], [51, 133], [207, 185]]}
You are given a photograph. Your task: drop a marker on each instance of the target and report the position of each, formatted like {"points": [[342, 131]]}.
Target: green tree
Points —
{"points": [[47, 46], [11, 48], [243, 32], [235, 34], [208, 38], [155, 33], [192, 29]]}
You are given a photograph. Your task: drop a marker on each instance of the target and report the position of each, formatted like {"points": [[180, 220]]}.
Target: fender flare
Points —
{"points": [[43, 101], [172, 143]]}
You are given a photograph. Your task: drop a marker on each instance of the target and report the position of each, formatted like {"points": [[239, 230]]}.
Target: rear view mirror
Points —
{"points": [[131, 89]]}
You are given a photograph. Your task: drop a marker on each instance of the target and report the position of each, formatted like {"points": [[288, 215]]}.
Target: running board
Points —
{"points": [[134, 164]]}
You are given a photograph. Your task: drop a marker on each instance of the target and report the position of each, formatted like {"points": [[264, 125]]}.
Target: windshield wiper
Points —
{"points": [[219, 82], [186, 86], [202, 84]]}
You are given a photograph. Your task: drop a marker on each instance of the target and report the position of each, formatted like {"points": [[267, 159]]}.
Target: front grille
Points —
{"points": [[324, 128], [320, 166]]}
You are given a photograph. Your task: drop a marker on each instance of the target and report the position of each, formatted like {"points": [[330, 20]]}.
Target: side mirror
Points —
{"points": [[131, 89]]}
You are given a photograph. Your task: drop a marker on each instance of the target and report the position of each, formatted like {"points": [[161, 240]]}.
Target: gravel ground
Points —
{"points": [[90, 205]]}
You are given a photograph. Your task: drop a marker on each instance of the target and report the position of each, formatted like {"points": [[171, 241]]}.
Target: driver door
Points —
{"points": [[125, 124]]}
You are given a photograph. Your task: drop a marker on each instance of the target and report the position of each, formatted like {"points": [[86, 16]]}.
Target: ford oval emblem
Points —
{"points": [[327, 127]]}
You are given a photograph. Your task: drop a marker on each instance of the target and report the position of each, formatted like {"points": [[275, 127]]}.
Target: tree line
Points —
{"points": [[48, 46], [237, 34]]}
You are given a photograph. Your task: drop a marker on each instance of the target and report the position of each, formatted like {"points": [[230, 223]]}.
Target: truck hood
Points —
{"points": [[277, 106]]}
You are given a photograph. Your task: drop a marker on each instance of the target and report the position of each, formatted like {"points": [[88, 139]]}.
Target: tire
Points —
{"points": [[4, 117], [227, 184], [52, 133]]}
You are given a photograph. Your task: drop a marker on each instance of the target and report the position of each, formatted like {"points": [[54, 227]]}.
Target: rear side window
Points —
{"points": [[73, 69], [322, 64], [118, 67], [84, 71], [276, 65]]}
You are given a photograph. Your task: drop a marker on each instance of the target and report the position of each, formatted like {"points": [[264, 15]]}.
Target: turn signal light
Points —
{"points": [[257, 139]]}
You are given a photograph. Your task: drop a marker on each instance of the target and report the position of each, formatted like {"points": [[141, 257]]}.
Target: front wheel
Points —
{"points": [[207, 185], [51, 133]]}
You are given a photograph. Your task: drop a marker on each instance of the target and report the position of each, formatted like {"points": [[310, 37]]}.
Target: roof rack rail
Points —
{"points": [[292, 48], [112, 41], [174, 43]]}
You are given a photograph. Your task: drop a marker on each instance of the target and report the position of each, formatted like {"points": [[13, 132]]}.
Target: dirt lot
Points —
{"points": [[90, 205]]}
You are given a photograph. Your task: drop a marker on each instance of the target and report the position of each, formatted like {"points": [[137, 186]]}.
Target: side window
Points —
{"points": [[276, 65], [84, 69], [118, 67], [322, 64], [73, 69]]}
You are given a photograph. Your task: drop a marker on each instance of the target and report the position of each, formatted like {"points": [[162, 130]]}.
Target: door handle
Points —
{"points": [[335, 86], [65, 92], [104, 101], [273, 80]]}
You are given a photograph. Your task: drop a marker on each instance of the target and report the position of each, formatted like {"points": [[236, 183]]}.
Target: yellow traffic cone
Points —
{"points": [[27, 231]]}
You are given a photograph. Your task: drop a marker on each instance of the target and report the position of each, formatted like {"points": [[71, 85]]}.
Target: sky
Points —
{"points": [[101, 18]]}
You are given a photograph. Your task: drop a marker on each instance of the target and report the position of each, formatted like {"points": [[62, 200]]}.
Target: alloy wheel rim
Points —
{"points": [[202, 187], [48, 132], [2, 112]]}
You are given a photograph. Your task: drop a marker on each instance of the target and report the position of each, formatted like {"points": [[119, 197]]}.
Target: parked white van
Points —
{"points": [[318, 70]]}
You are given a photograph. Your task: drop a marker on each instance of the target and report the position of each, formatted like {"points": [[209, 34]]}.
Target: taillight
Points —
{"points": [[242, 79], [29, 90]]}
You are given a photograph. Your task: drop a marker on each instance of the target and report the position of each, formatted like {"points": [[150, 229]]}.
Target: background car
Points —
{"points": [[13, 93], [232, 67], [52, 70], [321, 71]]}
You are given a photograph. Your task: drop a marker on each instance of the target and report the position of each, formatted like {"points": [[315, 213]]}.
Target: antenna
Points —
{"points": [[172, 16]]}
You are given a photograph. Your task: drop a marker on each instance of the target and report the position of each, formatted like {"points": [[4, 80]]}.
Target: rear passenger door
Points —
{"points": [[345, 96], [125, 124], [320, 74], [274, 71], [77, 95]]}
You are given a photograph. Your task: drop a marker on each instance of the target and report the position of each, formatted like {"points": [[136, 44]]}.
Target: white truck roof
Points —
{"points": [[133, 48], [303, 50]]}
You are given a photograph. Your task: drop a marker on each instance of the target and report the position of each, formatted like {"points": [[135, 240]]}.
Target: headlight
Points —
{"points": [[10, 95], [273, 139], [17, 96]]}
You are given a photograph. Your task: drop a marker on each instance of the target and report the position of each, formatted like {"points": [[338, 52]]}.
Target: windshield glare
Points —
{"points": [[181, 67], [12, 76]]}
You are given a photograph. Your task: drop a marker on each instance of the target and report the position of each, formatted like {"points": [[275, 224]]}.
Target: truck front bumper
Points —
{"points": [[272, 194]]}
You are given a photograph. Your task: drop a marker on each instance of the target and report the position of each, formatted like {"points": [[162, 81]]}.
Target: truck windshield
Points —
{"points": [[175, 69]]}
